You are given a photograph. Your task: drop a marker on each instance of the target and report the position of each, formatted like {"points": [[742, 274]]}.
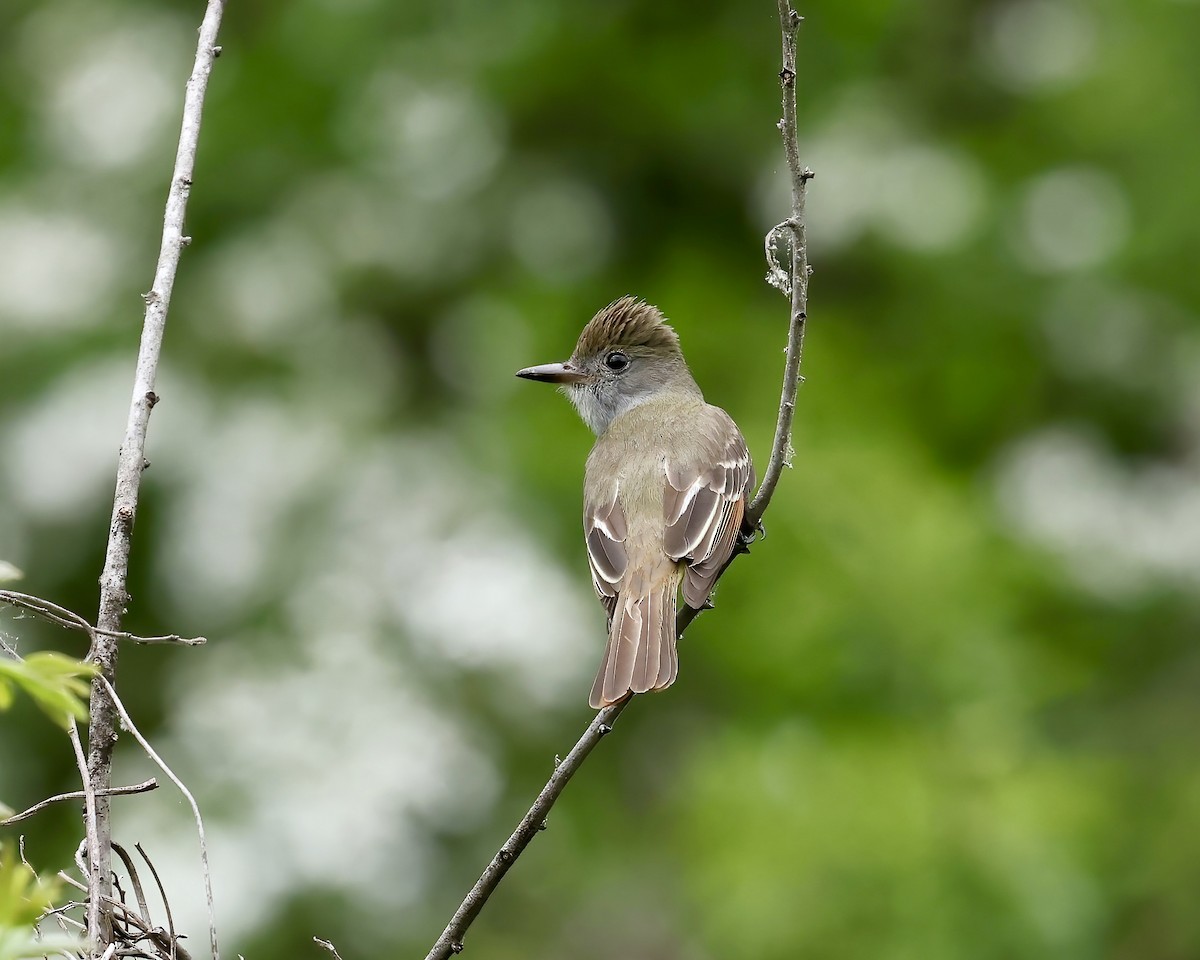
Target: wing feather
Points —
{"points": [[683, 536], [604, 531], [704, 502]]}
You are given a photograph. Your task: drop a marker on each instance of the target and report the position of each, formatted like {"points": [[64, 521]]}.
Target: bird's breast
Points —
{"points": [[632, 455]]}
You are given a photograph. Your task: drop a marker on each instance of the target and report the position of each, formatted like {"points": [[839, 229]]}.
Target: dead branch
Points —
{"points": [[114, 595], [143, 787], [128, 724], [63, 617]]}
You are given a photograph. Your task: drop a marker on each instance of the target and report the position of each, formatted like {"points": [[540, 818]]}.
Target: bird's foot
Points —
{"points": [[747, 535]]}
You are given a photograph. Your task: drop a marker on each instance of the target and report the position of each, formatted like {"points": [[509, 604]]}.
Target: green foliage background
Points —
{"points": [[948, 708]]}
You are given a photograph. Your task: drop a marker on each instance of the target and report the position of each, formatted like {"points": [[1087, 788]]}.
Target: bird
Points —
{"points": [[665, 490]]}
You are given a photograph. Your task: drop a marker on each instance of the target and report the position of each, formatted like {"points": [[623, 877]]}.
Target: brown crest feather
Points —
{"points": [[627, 322]]}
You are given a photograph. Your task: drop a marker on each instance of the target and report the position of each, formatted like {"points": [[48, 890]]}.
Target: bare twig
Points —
{"points": [[165, 638], [165, 943], [128, 724], [141, 928], [451, 940], [162, 893], [113, 593], [796, 286], [143, 787], [325, 944], [91, 841], [59, 916], [138, 892], [67, 878], [63, 617]]}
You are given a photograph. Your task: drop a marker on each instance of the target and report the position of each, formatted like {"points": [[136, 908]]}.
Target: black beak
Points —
{"points": [[553, 373]]}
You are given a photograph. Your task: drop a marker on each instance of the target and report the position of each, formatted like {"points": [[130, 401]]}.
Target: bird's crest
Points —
{"points": [[627, 322]]}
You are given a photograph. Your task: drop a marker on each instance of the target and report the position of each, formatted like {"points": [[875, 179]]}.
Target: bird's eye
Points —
{"points": [[616, 361]]}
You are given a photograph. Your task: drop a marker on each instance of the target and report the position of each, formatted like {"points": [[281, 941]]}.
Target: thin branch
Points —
{"points": [[325, 944], [163, 942], [63, 617], [138, 892], [144, 787], [165, 638], [128, 724], [122, 913], [451, 940], [113, 593], [176, 949], [67, 878], [796, 286], [59, 917], [91, 832]]}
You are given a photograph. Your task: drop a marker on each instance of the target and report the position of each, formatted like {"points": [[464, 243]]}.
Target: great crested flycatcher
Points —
{"points": [[664, 492]]}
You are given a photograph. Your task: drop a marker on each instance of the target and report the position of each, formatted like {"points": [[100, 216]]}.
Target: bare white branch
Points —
{"points": [[130, 463]]}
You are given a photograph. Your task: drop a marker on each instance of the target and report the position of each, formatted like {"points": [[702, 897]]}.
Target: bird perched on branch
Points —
{"points": [[665, 489]]}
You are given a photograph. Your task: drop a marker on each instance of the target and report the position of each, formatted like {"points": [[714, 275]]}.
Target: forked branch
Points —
{"points": [[53, 613], [796, 286]]}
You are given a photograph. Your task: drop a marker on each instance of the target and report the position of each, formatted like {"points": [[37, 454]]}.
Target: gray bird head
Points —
{"points": [[626, 355]]}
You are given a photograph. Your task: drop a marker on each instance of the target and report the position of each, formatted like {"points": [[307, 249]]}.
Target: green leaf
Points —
{"points": [[56, 683], [24, 897], [17, 943]]}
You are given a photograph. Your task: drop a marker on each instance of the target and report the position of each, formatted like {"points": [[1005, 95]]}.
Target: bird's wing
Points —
{"points": [[703, 504], [604, 530]]}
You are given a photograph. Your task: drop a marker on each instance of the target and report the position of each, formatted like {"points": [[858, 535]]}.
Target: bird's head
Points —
{"points": [[626, 354]]}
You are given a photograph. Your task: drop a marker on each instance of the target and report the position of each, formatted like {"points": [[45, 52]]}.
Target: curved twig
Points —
{"points": [[781, 449], [175, 948], [128, 724], [131, 869]]}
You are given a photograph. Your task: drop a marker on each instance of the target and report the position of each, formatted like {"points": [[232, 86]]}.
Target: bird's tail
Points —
{"points": [[640, 654]]}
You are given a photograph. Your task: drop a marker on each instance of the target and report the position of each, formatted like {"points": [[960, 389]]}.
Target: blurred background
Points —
{"points": [[949, 707]]}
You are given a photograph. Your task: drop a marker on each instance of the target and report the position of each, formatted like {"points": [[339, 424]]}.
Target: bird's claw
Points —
{"points": [[747, 535]]}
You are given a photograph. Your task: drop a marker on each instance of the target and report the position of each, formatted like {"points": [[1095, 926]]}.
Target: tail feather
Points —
{"points": [[640, 655]]}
